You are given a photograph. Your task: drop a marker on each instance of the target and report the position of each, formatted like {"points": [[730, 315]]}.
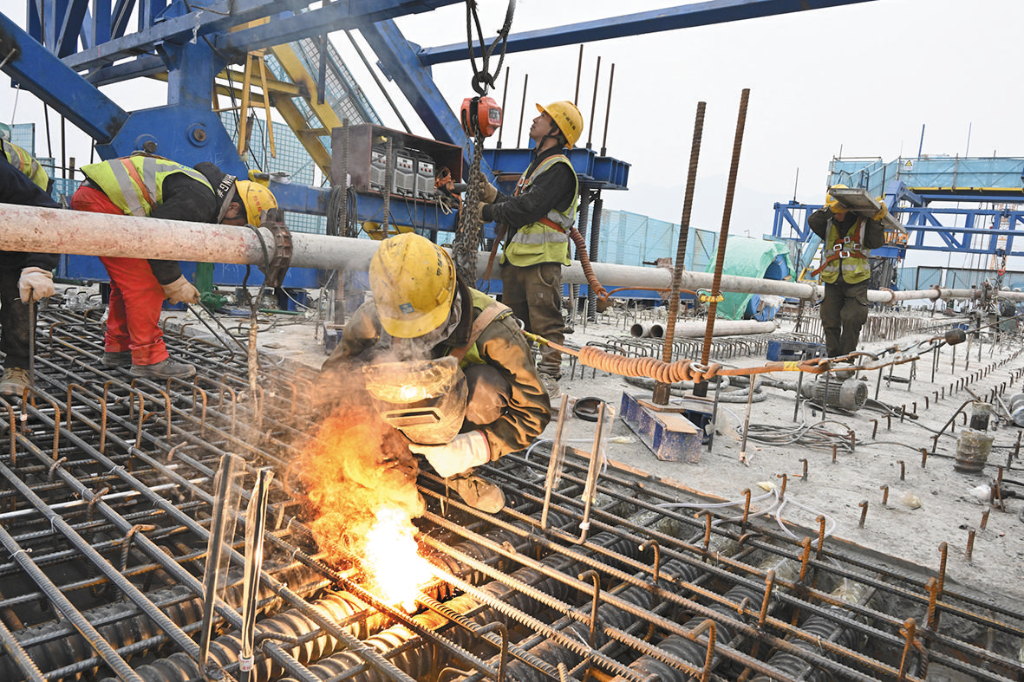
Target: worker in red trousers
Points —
{"points": [[150, 186]]}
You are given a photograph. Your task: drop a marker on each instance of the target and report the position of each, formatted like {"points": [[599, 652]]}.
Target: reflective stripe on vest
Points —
{"points": [[27, 164], [543, 241], [846, 254], [135, 184]]}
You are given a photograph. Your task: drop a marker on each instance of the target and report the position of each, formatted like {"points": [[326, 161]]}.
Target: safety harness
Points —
{"points": [[847, 247]]}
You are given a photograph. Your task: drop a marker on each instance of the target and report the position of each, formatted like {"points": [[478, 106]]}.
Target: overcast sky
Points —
{"points": [[859, 80]]}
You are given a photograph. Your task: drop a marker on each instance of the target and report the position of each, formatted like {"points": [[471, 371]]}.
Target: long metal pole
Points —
{"points": [[47, 230], [701, 389], [662, 391]]}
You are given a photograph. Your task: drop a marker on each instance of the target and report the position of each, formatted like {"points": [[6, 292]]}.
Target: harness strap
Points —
{"points": [[835, 256], [487, 315]]}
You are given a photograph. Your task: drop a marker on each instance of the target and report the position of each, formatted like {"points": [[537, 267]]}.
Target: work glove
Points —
{"points": [[35, 283], [884, 211], [468, 450], [480, 212], [488, 193], [181, 291]]}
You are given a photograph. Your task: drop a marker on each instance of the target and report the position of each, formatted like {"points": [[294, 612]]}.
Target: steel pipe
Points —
{"points": [[31, 229]]}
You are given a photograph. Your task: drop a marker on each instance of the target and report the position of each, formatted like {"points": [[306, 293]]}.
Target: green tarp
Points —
{"points": [[747, 258]]}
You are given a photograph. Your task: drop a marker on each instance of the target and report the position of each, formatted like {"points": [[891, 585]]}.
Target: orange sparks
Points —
{"points": [[391, 559]]}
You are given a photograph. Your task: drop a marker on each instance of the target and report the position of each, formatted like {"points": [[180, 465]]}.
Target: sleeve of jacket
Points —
{"points": [[874, 234], [16, 188], [362, 331], [502, 346], [552, 189], [183, 199], [818, 221]]}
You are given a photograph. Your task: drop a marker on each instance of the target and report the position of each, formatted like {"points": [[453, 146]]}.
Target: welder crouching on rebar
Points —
{"points": [[445, 364]]}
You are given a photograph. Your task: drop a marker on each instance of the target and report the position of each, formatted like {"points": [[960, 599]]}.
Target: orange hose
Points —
{"points": [[588, 271]]}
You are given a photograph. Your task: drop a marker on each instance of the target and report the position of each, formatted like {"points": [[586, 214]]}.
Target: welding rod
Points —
{"points": [[31, 341]]}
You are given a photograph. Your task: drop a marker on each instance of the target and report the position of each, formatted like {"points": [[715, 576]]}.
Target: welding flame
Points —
{"points": [[392, 562]]}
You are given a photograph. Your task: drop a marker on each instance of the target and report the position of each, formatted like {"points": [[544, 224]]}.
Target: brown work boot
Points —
{"points": [[478, 493], [120, 359], [15, 381], [165, 369]]}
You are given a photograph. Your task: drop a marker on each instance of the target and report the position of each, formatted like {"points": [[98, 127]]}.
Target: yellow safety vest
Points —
{"points": [[547, 240], [27, 164], [846, 254], [470, 354], [135, 183]]}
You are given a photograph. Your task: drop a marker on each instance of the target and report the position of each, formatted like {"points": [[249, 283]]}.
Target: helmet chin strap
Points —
{"points": [[554, 134]]}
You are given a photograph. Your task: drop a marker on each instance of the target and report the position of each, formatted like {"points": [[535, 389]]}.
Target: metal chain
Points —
{"points": [[467, 239]]}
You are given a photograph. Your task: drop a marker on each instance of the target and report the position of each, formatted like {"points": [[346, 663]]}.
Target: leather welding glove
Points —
{"points": [[488, 193], [35, 283], [466, 451], [181, 291]]}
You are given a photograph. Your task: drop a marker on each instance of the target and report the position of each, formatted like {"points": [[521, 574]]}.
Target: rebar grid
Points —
{"points": [[105, 507]]}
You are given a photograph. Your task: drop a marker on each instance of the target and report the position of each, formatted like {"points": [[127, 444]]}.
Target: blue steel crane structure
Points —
{"points": [[70, 47]]}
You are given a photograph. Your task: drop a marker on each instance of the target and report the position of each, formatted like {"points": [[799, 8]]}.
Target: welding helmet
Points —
{"points": [[256, 198], [413, 284], [424, 399], [568, 119]]}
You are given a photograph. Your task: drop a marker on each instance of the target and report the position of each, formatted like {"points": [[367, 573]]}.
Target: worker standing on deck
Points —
{"points": [[846, 271], [421, 309], [538, 217], [24, 277], [151, 186]]}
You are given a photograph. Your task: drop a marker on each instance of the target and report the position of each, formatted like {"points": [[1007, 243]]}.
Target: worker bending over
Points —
{"points": [[23, 161], [538, 217], [845, 270], [151, 186], [24, 277], [422, 311]]}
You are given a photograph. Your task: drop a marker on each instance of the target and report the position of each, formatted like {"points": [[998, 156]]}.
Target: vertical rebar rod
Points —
{"points": [[593, 105], [579, 74], [522, 111], [702, 388], [504, 98], [607, 113], [661, 390]]}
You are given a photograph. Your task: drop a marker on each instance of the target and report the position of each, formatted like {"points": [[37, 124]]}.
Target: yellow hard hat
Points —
{"points": [[256, 198], [413, 284], [834, 204], [567, 117]]}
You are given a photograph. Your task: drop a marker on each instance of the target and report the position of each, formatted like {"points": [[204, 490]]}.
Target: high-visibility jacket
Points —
{"points": [[845, 254], [135, 183], [27, 164], [546, 240]]}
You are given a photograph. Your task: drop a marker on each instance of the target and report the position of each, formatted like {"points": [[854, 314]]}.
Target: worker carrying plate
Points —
{"points": [[845, 270], [445, 364], [150, 186]]}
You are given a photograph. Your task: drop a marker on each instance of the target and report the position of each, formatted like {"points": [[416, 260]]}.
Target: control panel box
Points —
{"points": [[414, 162]]}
